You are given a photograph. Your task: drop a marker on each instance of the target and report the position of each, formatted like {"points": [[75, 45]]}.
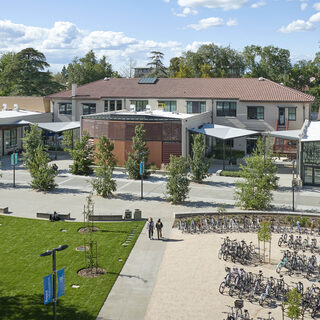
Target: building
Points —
{"points": [[246, 103], [141, 72], [12, 123], [37, 104]]}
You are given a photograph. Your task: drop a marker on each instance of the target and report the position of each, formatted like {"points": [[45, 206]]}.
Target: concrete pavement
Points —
{"points": [[130, 295]]}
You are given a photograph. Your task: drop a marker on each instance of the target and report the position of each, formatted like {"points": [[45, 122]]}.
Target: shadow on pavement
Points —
{"points": [[128, 276], [170, 240]]}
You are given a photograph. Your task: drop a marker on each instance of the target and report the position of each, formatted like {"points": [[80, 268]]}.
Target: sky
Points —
{"points": [[130, 29]]}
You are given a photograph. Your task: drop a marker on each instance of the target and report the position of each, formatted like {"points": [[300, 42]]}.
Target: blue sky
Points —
{"points": [[124, 29]]}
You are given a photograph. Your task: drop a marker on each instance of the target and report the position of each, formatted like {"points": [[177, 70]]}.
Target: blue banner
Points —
{"points": [[60, 275], [141, 167], [14, 159], [47, 286]]}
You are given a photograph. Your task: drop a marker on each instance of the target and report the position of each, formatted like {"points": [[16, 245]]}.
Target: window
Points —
{"points": [[226, 108], [196, 106], [112, 105], [140, 104], [11, 138], [88, 108], [292, 116], [65, 108], [168, 105], [255, 113]]}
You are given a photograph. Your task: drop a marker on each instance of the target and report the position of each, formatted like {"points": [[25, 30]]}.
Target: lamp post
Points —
{"points": [[54, 275], [293, 184]]}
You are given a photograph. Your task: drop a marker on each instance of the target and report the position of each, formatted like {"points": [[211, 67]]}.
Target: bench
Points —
{"points": [[46, 215], [4, 210], [117, 217]]}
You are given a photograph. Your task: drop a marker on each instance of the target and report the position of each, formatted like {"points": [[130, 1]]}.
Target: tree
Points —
{"points": [[259, 179], [127, 70], [88, 69], [159, 70], [264, 235], [25, 73], [177, 187], [82, 156], [269, 62], [6, 79], [140, 153], [198, 163], [42, 174], [293, 304], [31, 141], [106, 161]]}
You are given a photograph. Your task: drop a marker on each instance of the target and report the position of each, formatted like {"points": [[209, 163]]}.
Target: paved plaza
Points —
{"points": [[130, 296]]}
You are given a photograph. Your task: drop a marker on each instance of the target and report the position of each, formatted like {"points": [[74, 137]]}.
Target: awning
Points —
{"points": [[59, 126], [312, 133], [223, 132], [285, 134]]}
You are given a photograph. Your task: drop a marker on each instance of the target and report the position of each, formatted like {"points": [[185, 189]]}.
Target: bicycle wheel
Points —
{"points": [[232, 291], [225, 256], [222, 287]]}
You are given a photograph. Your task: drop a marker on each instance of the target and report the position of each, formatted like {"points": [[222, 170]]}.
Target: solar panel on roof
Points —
{"points": [[147, 80]]}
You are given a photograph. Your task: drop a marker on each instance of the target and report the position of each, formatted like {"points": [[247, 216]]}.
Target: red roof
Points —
{"points": [[243, 89]]}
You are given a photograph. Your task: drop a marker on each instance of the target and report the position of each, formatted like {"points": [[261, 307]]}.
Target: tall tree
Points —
{"points": [[254, 191], [198, 163], [269, 62], [88, 68], [177, 187], [82, 156], [140, 153], [127, 70], [158, 68], [26, 73], [6, 79], [106, 161]]}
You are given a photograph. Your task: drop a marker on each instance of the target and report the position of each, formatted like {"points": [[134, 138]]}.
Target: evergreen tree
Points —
{"points": [[177, 188], [198, 163], [42, 174], [82, 156], [31, 142], [106, 161], [140, 153], [259, 180]]}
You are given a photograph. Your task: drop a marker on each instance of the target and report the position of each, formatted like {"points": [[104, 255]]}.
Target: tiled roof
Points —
{"points": [[243, 89]]}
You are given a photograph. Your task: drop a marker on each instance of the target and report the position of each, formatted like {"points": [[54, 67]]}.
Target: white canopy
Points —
{"points": [[285, 134], [312, 133], [223, 132], [53, 126]]}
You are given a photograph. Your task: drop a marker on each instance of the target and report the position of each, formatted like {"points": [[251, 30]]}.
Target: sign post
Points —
{"points": [[14, 161], [50, 282], [141, 174]]}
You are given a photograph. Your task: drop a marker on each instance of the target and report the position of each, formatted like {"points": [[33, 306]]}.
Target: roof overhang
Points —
{"points": [[285, 134], [59, 126], [223, 132]]}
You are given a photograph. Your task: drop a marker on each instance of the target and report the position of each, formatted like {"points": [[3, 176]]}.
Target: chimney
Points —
{"points": [[73, 89], [15, 107], [4, 107]]}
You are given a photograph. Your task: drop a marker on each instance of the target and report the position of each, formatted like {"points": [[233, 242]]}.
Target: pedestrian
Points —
{"points": [[150, 227], [159, 227], [298, 226]]}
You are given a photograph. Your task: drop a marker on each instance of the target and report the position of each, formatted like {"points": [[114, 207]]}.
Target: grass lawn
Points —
{"points": [[22, 269]]}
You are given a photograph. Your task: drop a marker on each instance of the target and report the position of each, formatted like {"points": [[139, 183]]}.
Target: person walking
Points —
{"points": [[150, 227], [159, 227]]}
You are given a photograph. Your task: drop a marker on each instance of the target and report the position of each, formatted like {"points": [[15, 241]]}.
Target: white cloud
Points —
{"points": [[64, 40], [258, 4], [195, 45], [167, 1], [232, 23], [315, 17], [224, 4], [206, 23], [297, 26], [186, 12], [316, 6], [303, 6]]}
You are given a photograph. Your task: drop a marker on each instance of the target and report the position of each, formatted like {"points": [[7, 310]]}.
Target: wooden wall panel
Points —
{"points": [[119, 152], [169, 148], [155, 155], [88, 126]]}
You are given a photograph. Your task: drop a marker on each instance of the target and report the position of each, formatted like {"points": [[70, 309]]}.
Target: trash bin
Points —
{"points": [[137, 214]]}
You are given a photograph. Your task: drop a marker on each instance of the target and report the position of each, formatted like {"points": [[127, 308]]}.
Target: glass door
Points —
{"points": [[308, 175], [316, 176], [282, 116]]}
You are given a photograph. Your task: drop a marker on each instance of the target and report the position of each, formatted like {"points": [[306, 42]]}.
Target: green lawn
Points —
{"points": [[22, 269]]}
